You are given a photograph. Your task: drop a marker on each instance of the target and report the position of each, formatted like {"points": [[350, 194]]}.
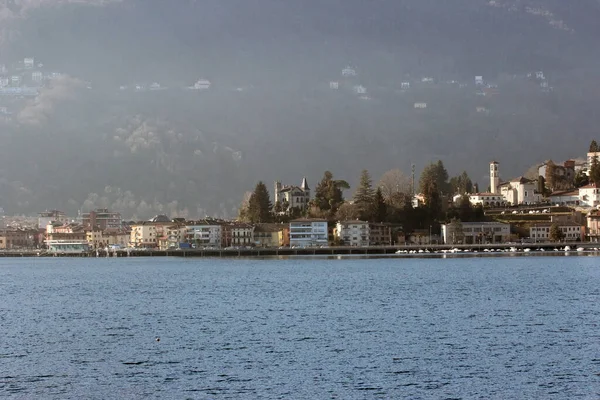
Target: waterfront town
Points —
{"points": [[561, 205]]}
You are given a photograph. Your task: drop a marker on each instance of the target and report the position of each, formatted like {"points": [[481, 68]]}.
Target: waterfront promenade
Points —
{"points": [[315, 251]]}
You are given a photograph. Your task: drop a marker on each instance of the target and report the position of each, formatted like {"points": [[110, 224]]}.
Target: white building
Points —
{"points": [[359, 89], [47, 217], [15, 80], [204, 235], [475, 233], [143, 235], [589, 195], [479, 80], [349, 71], [292, 196], [353, 233], [565, 198], [520, 191], [201, 84], [405, 85], [334, 85], [308, 233], [540, 232], [487, 199], [420, 105], [28, 63]]}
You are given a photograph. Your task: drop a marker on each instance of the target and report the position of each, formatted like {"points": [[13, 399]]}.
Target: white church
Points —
{"points": [[516, 191]]}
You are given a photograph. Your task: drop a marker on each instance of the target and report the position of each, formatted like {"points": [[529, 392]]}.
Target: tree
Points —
{"points": [[393, 184], [461, 184], [364, 197], [581, 179], [455, 234], [594, 147], [556, 235], [243, 210], [433, 201], [437, 173], [595, 171], [347, 212], [328, 193], [380, 214], [259, 205]]}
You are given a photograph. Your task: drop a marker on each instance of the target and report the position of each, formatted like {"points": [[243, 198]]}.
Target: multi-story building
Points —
{"points": [[487, 199], [308, 233], [589, 195], [176, 234], [144, 235], [475, 233], [102, 219], [271, 235], [204, 234], [380, 234], [352, 233], [16, 238], [593, 226], [540, 232], [520, 191], [242, 235], [292, 196]]}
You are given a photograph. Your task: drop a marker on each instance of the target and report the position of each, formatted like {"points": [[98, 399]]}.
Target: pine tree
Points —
{"points": [[259, 206], [595, 171], [364, 197], [328, 193], [435, 172], [594, 147], [556, 235], [380, 206]]}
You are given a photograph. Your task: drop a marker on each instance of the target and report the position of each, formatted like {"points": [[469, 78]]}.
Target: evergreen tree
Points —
{"points": [[364, 197], [595, 171], [435, 172], [433, 200], [594, 147], [380, 206], [556, 235], [461, 184], [259, 206], [328, 193]]}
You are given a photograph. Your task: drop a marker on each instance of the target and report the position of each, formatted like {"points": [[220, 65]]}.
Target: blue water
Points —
{"points": [[474, 328]]}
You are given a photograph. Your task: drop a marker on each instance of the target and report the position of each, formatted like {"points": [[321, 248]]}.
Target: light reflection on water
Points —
{"points": [[505, 327]]}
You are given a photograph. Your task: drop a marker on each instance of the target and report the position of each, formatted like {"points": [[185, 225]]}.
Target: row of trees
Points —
{"points": [[390, 200]]}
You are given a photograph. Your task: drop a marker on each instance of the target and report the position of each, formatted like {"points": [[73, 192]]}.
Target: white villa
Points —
{"points": [[293, 196], [520, 191]]}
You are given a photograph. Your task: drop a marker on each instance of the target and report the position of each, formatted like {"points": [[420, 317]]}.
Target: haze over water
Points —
{"points": [[492, 328]]}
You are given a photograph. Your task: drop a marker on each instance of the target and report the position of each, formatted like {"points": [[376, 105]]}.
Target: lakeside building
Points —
{"points": [[204, 234], [18, 238], [352, 233], [308, 232], [475, 233], [486, 199], [237, 234], [150, 234], [102, 219], [572, 232], [272, 235], [380, 234], [593, 226]]}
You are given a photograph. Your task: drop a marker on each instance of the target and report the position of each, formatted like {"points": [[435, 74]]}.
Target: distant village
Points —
{"points": [[561, 205], [26, 78]]}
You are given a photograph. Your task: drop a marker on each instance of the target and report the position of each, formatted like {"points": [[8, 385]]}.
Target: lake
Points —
{"points": [[312, 328]]}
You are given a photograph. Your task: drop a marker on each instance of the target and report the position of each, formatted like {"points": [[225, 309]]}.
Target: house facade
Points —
{"points": [[520, 191], [380, 234], [308, 233], [572, 232], [589, 195], [271, 235], [204, 234], [102, 219], [475, 233], [292, 196], [353, 233], [487, 199], [593, 226]]}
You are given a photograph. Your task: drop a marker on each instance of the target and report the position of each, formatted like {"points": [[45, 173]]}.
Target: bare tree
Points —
{"points": [[394, 184]]}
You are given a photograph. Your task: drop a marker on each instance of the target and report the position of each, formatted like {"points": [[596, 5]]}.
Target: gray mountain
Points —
{"points": [[270, 112]]}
